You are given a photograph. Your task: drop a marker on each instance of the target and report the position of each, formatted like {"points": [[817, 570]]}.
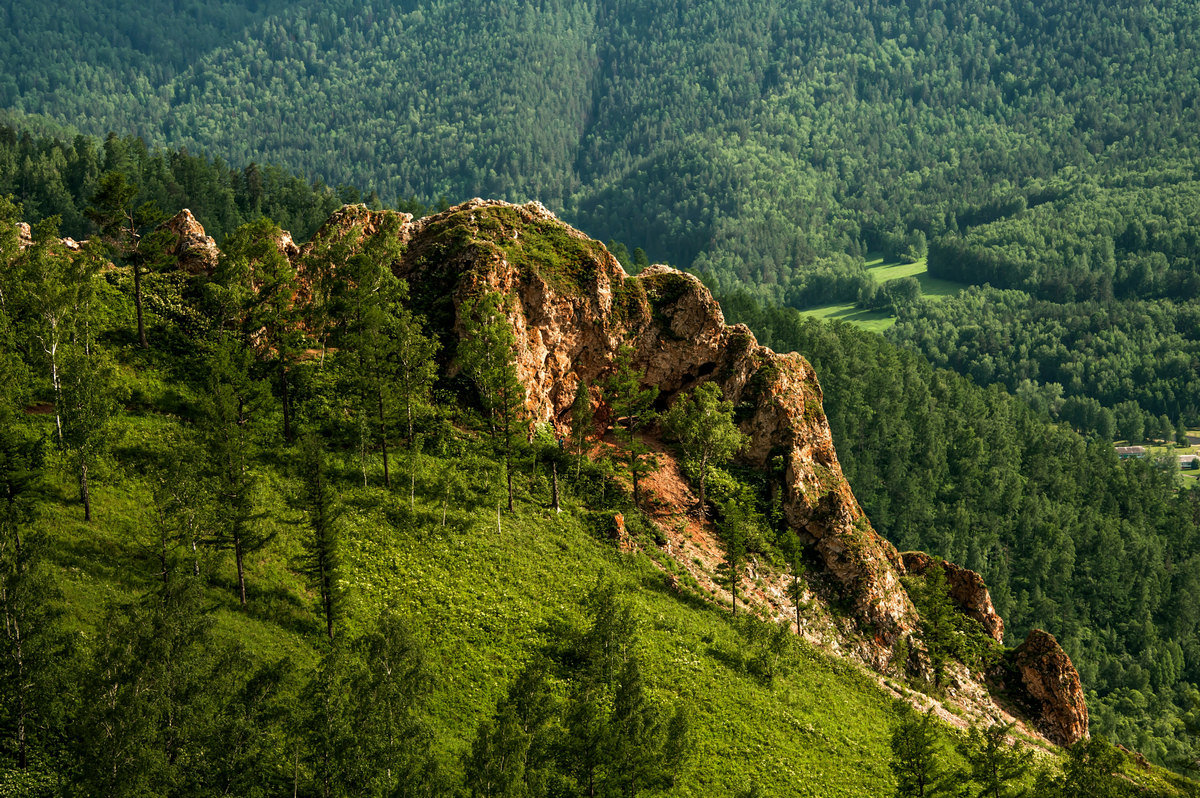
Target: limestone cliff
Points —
{"points": [[1045, 681], [967, 589], [195, 251]]}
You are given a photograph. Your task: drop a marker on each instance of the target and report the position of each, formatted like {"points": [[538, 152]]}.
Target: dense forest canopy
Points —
{"points": [[754, 140]]}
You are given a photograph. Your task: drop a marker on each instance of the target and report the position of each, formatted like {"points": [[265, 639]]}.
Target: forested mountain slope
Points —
{"points": [[268, 549], [754, 140]]}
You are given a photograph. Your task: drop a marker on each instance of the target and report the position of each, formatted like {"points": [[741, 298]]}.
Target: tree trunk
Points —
{"points": [[56, 381], [85, 495], [633, 471], [327, 601], [22, 709], [287, 403], [508, 475], [797, 600], [241, 572], [554, 484], [703, 469], [387, 474], [137, 303]]}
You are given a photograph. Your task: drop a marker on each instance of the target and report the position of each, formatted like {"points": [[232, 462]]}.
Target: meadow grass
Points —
{"points": [[876, 320]]}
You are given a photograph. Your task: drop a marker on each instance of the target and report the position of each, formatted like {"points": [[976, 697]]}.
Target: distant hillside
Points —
{"points": [[753, 140]]}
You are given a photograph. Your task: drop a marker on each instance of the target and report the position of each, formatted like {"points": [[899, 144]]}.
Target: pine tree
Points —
{"points": [[487, 355], [702, 422], [230, 409], [89, 401], [938, 620], [738, 518], [793, 552], [321, 564], [583, 420], [996, 767], [916, 762], [632, 410]]}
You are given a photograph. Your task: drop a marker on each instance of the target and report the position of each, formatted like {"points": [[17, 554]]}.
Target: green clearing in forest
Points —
{"points": [[877, 320]]}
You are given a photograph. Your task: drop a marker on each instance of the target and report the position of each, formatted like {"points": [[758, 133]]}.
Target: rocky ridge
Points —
{"points": [[572, 306]]}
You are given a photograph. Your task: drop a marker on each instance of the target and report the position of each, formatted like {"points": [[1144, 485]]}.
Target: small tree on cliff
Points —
{"points": [[938, 627], [487, 355], [702, 422], [583, 420], [739, 517], [632, 410], [793, 551]]}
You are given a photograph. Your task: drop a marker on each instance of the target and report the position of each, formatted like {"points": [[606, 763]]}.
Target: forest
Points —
{"points": [[1044, 156], [762, 142]]}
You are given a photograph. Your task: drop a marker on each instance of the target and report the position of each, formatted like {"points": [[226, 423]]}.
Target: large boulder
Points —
{"points": [[194, 251], [967, 590], [1049, 681]]}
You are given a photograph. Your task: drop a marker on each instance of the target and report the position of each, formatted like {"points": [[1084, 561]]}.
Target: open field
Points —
{"points": [[877, 320]]}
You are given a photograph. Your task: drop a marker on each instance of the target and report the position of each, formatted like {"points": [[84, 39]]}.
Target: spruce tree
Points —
{"points": [[487, 355], [321, 563], [995, 767], [230, 410], [739, 518], [916, 756], [89, 401], [583, 420]]}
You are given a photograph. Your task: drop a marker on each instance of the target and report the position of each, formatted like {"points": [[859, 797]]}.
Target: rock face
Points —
{"points": [[1052, 684], [196, 252], [24, 235], [572, 306], [967, 589]]}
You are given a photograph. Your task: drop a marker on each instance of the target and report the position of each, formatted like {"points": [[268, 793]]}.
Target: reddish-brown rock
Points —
{"points": [[572, 306], [1051, 684], [967, 589], [196, 252], [570, 314]]}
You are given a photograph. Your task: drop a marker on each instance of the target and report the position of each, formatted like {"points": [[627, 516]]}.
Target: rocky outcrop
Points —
{"points": [[1049, 685], [967, 589], [195, 251], [24, 235], [572, 306]]}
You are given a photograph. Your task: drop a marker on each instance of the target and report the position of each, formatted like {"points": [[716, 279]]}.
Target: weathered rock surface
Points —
{"points": [[572, 309], [572, 306], [24, 235], [195, 251], [1051, 684], [967, 589]]}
